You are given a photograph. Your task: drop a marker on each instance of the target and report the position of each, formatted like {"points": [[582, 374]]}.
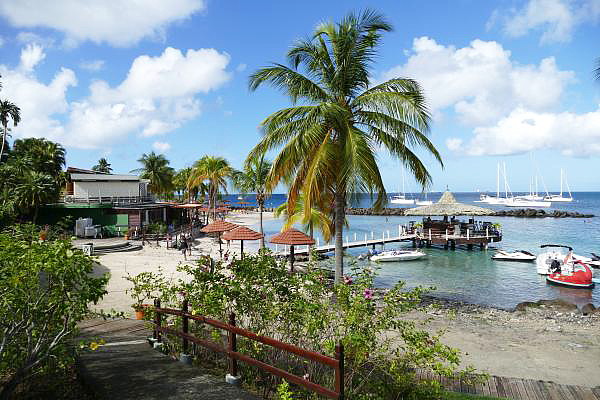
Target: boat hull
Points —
{"points": [[560, 282], [398, 257], [402, 201], [521, 259]]}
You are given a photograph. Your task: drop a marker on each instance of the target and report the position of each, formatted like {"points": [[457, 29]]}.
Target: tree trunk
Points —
{"points": [[260, 212], [340, 210], [310, 248], [35, 214], [3, 141]]}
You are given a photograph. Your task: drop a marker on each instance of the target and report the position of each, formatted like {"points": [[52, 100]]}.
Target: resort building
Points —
{"points": [[114, 202]]}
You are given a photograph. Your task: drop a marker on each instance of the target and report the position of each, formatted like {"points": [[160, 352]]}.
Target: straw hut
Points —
{"points": [[292, 237], [219, 227], [242, 233], [447, 205]]}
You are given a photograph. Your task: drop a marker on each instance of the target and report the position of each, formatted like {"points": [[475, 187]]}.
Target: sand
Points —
{"points": [[540, 343]]}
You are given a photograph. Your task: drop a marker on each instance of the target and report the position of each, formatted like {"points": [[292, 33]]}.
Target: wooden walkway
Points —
{"points": [[347, 244], [517, 388], [124, 333]]}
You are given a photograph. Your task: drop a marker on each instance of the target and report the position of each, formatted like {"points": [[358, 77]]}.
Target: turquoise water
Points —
{"points": [[472, 276]]}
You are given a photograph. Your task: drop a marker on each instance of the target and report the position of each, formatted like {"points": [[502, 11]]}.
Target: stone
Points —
{"points": [[588, 309]]}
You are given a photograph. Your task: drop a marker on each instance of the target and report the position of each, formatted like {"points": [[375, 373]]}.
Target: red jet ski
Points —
{"points": [[569, 272]]}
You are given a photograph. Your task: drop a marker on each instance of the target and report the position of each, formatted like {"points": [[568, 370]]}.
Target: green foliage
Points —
{"points": [[283, 391], [382, 348], [45, 289], [157, 227], [215, 171], [147, 285], [155, 167], [102, 166]]}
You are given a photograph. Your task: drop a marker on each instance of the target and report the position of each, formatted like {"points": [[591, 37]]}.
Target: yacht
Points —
{"points": [[559, 197], [424, 202], [401, 198], [497, 200]]}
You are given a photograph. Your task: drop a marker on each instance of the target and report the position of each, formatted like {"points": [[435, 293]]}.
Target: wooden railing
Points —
{"points": [[234, 356]]}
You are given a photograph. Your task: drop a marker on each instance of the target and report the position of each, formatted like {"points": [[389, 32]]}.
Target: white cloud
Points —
{"points": [[524, 130], [92, 65], [116, 22], [31, 55], [556, 19], [31, 37], [241, 67], [161, 147], [157, 96], [480, 81]]}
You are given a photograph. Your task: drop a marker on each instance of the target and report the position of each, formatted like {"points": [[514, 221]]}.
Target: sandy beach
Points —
{"points": [[551, 343]]}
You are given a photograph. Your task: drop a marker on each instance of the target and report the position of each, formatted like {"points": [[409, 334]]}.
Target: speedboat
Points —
{"points": [[564, 269], [520, 255], [398, 255]]}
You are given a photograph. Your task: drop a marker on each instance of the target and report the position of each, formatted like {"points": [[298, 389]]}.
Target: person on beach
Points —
{"points": [[184, 247], [190, 240]]}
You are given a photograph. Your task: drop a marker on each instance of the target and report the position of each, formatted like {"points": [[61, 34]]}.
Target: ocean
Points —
{"points": [[472, 276]]}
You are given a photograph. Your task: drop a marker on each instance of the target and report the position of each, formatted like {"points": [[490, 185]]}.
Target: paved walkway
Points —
{"points": [[126, 367]]}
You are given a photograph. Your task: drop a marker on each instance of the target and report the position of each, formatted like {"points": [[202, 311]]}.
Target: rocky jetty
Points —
{"points": [[533, 213], [522, 213]]}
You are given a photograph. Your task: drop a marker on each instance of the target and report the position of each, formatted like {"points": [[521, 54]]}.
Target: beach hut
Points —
{"points": [[242, 233], [219, 227], [447, 205], [292, 237]]}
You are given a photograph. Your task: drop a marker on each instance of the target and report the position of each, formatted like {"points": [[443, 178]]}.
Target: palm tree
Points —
{"points": [[41, 154], [35, 189], [597, 70], [215, 170], [311, 218], [155, 167], [330, 141], [8, 111], [102, 166], [253, 179]]}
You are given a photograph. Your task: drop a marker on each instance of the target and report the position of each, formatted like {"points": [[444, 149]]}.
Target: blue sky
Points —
{"points": [[506, 81]]}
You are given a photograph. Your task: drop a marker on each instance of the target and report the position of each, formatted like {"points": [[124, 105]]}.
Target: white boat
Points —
{"points": [[424, 202], [521, 255], [401, 198], [559, 197], [521, 201], [544, 260], [398, 255], [497, 200]]}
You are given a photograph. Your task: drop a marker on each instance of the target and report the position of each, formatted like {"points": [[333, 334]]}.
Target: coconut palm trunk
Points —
{"points": [[340, 209], [4, 131], [260, 216]]}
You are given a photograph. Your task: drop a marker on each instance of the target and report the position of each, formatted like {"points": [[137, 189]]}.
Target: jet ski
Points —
{"points": [[564, 269], [520, 255]]}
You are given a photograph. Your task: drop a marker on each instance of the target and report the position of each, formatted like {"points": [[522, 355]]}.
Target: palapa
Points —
{"points": [[292, 237], [242, 233], [219, 227], [447, 205]]}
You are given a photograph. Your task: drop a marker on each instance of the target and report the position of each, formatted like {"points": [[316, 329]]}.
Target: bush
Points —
{"points": [[382, 349], [45, 289]]}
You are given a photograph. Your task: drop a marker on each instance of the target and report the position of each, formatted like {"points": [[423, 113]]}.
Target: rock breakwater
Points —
{"points": [[522, 213]]}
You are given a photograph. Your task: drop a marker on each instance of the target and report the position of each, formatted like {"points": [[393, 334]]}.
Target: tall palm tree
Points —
{"points": [[597, 70], [41, 155], [330, 140], [8, 111], [102, 166], [253, 179], [311, 219], [155, 167], [34, 190], [215, 170]]}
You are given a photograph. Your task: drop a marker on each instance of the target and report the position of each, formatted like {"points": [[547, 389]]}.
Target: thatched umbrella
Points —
{"points": [[292, 237], [242, 233], [219, 227], [447, 205]]}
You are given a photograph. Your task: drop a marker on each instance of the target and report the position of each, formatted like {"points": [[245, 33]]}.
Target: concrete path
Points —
{"points": [[126, 367]]}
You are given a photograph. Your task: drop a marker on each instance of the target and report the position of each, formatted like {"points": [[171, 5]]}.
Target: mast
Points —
{"points": [[561, 183], [498, 181]]}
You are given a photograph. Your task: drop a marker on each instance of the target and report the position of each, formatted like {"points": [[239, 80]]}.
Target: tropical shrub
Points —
{"points": [[383, 349], [45, 289]]}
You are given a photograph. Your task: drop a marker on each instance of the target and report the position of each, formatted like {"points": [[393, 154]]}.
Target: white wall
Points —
{"points": [[106, 189]]}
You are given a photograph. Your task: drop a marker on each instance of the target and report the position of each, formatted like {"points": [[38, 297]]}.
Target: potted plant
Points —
{"points": [[126, 234], [146, 285]]}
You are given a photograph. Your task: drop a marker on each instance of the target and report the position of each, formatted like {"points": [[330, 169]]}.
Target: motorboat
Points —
{"points": [[564, 269], [520, 255], [398, 255]]}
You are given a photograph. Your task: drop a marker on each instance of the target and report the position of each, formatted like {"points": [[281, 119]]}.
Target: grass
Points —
{"points": [[466, 396]]}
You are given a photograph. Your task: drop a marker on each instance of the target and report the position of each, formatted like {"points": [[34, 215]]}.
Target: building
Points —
{"points": [[115, 202]]}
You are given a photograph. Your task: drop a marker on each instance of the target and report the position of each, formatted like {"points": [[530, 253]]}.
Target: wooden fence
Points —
{"points": [[234, 356]]}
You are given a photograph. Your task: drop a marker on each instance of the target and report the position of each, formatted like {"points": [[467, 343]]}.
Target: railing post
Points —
{"points": [[157, 320], [185, 324], [339, 371], [232, 377]]}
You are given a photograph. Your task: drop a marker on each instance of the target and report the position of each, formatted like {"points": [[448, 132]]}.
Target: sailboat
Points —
{"points": [[533, 191], [526, 201], [486, 198], [401, 198], [424, 202], [559, 197]]}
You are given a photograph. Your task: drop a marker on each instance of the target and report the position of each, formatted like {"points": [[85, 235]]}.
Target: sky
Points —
{"points": [[505, 81]]}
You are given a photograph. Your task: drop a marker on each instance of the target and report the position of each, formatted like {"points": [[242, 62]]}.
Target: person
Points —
{"points": [[190, 242], [183, 247]]}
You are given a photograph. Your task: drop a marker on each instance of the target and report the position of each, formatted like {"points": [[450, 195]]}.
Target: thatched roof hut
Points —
{"points": [[447, 205]]}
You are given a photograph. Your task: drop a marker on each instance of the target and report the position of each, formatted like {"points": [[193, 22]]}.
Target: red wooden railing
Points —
{"points": [[231, 352]]}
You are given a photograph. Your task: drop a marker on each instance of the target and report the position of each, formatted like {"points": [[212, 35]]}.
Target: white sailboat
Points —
{"points": [[559, 197], [486, 198], [424, 202], [401, 198], [533, 191]]}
